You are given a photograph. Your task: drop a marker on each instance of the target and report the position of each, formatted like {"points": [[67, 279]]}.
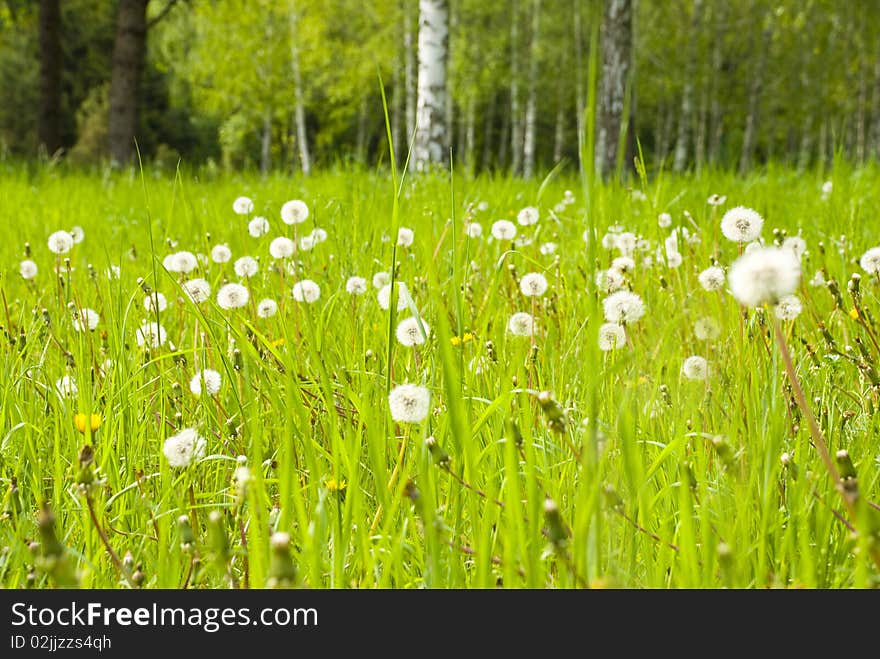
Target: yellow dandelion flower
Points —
{"points": [[277, 342], [854, 314], [80, 419], [335, 486]]}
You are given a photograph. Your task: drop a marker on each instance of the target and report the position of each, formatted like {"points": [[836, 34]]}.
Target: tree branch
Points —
{"points": [[162, 14]]}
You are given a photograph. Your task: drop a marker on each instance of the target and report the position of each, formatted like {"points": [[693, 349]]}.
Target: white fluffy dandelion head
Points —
{"points": [[197, 290], [707, 328], [533, 284], [60, 242], [182, 449], [405, 237], [294, 212], [741, 224], [211, 379], [381, 279], [522, 324], [788, 307], [626, 242], [712, 279], [243, 205], [409, 331], [409, 403], [611, 336], [403, 297], [307, 243], [610, 280], [548, 248], [155, 301], [623, 264], [232, 296], [818, 279], [306, 291], [221, 253], [870, 261], [282, 247], [246, 267], [27, 269], [150, 335], [827, 188], [78, 234], [716, 200], [764, 275], [473, 229], [528, 216], [674, 259], [181, 262], [267, 308], [664, 220], [503, 230], [85, 319], [319, 235], [356, 286], [623, 307], [796, 244], [695, 368], [259, 226], [66, 387]]}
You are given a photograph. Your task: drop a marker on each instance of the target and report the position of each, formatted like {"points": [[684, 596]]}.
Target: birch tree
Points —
{"points": [[617, 39], [432, 133]]}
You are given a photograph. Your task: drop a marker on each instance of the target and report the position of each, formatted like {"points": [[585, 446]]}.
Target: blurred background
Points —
{"points": [[293, 85]]}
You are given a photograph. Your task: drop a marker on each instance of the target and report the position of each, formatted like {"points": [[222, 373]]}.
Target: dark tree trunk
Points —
{"points": [[617, 40], [49, 120], [129, 51], [756, 87]]}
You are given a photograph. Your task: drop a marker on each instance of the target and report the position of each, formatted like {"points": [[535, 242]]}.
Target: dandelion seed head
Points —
{"points": [[611, 336], [150, 335], [409, 332], [716, 200], [294, 212], [381, 279], [610, 280], [282, 247], [528, 216], [707, 328], [221, 253], [623, 264], [764, 275], [522, 324], [66, 387], [788, 307], [796, 244], [27, 269], [623, 307], [533, 284], [246, 267], [473, 229], [405, 237], [259, 226], [212, 381], [243, 205], [664, 220], [409, 403], [155, 301], [85, 320], [267, 308], [548, 248], [307, 243], [403, 297], [306, 291], [184, 448], [197, 290], [741, 224], [712, 279], [180, 262], [503, 230], [232, 296], [870, 261], [60, 242], [695, 368], [356, 286]]}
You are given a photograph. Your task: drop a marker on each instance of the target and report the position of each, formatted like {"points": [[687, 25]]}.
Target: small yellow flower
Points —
{"points": [[277, 342], [335, 486], [459, 340], [79, 420], [854, 314]]}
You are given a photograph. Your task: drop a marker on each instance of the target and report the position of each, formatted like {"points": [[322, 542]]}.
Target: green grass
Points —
{"points": [[643, 495]]}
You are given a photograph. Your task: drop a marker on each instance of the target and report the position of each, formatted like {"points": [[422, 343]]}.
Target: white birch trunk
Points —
{"points": [[299, 111], [432, 135], [516, 137], [531, 104], [617, 42], [409, 72]]}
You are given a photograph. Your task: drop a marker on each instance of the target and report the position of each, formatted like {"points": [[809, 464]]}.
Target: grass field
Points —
{"points": [[541, 461]]}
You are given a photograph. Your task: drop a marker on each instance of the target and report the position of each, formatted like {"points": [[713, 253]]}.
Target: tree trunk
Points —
{"points": [[532, 103], [49, 119], [400, 140], [299, 111], [432, 133], [755, 88], [860, 118], [559, 132], [516, 137], [875, 106], [685, 117], [266, 144], [361, 135], [452, 30], [129, 51], [409, 72], [505, 141], [488, 133], [579, 102], [470, 134], [716, 118], [617, 39], [700, 138]]}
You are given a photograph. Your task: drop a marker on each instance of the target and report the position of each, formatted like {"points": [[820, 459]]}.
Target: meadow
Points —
{"points": [[176, 414]]}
